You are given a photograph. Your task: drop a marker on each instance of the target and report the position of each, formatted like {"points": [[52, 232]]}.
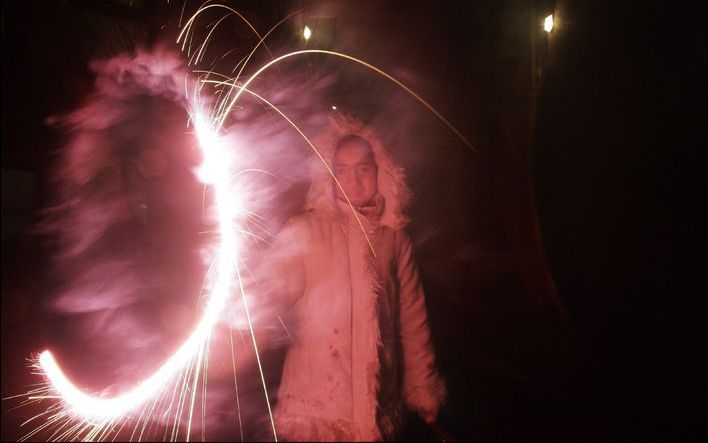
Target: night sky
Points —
{"points": [[564, 261]]}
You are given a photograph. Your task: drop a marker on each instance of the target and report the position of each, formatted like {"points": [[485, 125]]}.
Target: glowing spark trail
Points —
{"points": [[215, 171], [356, 60]]}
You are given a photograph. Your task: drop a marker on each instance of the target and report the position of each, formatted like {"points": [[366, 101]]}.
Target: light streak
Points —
{"points": [[190, 22], [103, 411], [356, 60]]}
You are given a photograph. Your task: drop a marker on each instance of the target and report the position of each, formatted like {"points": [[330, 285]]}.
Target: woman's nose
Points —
{"points": [[350, 177]]}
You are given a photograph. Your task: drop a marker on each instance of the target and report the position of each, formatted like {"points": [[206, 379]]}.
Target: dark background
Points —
{"points": [[564, 261]]}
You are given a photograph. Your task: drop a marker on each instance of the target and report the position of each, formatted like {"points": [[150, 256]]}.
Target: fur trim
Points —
{"points": [[373, 368], [391, 178]]}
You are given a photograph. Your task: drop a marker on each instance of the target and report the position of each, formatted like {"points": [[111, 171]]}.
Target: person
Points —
{"points": [[345, 279]]}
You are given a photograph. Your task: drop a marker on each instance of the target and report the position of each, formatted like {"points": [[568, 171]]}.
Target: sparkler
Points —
{"points": [[99, 415], [212, 171], [91, 417]]}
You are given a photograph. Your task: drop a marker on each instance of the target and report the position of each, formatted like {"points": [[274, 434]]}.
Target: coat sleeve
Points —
{"points": [[424, 389]]}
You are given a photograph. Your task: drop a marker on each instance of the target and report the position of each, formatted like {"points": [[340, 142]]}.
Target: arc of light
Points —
{"points": [[194, 16], [245, 61], [361, 62], [199, 55], [109, 408]]}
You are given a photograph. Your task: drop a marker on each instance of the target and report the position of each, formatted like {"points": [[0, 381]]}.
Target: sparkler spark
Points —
{"points": [[103, 411]]}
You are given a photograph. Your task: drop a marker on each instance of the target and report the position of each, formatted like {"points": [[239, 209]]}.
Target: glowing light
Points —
{"points": [[334, 108], [353, 59], [548, 23], [306, 33], [214, 170]]}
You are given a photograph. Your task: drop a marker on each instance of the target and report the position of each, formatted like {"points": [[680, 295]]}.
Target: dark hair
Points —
{"points": [[352, 138]]}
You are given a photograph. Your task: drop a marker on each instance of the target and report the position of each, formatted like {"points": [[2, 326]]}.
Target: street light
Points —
{"points": [[548, 23], [306, 33]]}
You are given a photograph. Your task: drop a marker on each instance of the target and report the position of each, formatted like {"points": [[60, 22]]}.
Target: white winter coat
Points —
{"points": [[361, 349]]}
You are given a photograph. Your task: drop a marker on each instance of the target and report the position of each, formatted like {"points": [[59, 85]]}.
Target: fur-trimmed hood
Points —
{"points": [[391, 177]]}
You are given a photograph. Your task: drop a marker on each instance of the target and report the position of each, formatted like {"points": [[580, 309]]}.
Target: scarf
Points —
{"points": [[372, 212]]}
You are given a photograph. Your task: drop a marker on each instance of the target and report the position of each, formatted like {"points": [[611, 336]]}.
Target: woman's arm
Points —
{"points": [[424, 389]]}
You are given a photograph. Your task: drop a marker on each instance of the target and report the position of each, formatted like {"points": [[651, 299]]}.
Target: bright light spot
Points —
{"points": [[334, 108], [307, 33], [213, 152], [548, 23]]}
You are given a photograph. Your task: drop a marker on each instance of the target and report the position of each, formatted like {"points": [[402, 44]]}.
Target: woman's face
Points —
{"points": [[356, 170]]}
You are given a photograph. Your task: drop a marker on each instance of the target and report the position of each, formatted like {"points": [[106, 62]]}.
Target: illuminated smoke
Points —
{"points": [[128, 209]]}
